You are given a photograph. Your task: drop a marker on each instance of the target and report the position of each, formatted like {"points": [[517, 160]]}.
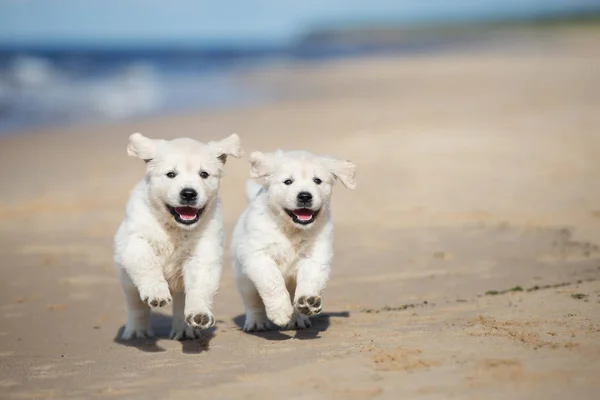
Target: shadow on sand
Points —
{"points": [[320, 323], [161, 324]]}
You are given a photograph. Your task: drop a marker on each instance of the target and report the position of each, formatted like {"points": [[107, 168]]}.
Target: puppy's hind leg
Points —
{"points": [[138, 312], [256, 316]]}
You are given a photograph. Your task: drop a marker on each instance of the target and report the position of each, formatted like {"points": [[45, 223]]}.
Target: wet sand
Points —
{"points": [[467, 260]]}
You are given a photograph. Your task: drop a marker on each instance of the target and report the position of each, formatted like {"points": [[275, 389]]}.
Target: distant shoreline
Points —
{"points": [[347, 28], [53, 88]]}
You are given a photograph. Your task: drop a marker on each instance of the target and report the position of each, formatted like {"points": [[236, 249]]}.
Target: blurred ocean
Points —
{"points": [[61, 87], [72, 61], [56, 87]]}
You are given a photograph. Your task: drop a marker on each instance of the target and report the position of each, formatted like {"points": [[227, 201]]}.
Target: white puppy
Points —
{"points": [[282, 245], [171, 240]]}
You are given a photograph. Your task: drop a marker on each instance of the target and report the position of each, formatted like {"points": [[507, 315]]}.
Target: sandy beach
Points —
{"points": [[467, 259]]}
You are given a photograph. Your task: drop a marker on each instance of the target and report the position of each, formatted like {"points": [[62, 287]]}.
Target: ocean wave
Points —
{"points": [[37, 91]]}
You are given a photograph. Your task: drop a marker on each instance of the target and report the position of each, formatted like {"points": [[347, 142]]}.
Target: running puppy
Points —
{"points": [[171, 240], [282, 245]]}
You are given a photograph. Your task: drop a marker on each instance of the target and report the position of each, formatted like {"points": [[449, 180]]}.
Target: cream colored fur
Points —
{"points": [[281, 266], [160, 259]]}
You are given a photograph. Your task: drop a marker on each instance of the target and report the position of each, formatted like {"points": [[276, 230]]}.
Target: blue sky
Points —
{"points": [[114, 22]]}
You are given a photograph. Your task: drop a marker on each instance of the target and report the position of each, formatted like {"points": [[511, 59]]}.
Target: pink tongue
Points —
{"points": [[303, 214], [186, 213]]}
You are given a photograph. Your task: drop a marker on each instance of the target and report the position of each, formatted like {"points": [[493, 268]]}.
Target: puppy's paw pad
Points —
{"points": [[132, 333], [309, 305], [156, 296], [200, 320], [184, 333], [157, 302], [298, 321]]}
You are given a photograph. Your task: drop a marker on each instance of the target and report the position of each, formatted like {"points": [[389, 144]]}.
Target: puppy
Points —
{"points": [[170, 244], [282, 245]]}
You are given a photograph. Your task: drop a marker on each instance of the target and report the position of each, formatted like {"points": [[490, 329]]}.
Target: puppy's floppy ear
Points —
{"points": [[230, 146], [343, 170], [261, 164], [141, 147]]}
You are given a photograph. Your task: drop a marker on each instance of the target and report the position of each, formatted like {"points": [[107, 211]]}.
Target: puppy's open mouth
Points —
{"points": [[302, 216], [185, 215]]}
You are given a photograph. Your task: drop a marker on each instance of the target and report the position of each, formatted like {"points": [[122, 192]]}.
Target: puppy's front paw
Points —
{"points": [[256, 323], [200, 320], [298, 321], [281, 316], [136, 332], [309, 305], [156, 295], [184, 332]]}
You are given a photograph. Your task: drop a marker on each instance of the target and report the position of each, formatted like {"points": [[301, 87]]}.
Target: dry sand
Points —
{"points": [[479, 172]]}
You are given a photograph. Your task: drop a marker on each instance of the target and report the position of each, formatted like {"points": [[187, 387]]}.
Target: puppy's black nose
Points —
{"points": [[304, 197], [188, 194]]}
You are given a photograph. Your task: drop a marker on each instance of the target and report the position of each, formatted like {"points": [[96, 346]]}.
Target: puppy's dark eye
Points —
{"points": [[171, 174], [317, 181], [288, 182], [204, 175]]}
